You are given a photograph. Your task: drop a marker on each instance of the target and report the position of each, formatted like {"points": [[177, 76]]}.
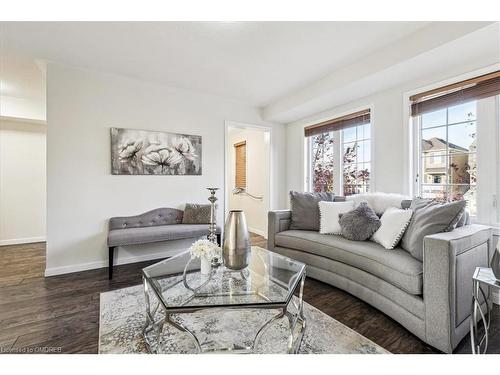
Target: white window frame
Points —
{"points": [[338, 188], [489, 171]]}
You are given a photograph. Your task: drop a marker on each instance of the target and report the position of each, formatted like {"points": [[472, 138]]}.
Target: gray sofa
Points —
{"points": [[161, 224], [432, 299]]}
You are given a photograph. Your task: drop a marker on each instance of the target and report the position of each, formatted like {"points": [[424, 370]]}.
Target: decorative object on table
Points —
{"points": [[482, 276], [213, 226], [205, 250], [122, 315], [144, 152], [236, 249], [495, 262], [359, 224]]}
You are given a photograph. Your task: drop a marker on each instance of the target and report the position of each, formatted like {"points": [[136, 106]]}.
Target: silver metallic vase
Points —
{"points": [[495, 262], [236, 249]]}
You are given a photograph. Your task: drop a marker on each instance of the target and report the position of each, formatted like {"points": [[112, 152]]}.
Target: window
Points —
{"points": [[240, 150], [339, 154], [456, 152], [448, 154], [322, 162], [356, 156]]}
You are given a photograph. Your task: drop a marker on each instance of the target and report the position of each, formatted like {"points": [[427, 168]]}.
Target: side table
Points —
{"points": [[482, 276]]}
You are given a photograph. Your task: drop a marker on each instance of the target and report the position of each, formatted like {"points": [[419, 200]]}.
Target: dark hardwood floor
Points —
{"points": [[61, 313]]}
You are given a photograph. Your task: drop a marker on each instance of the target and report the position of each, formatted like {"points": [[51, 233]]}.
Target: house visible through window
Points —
{"points": [[455, 131], [339, 154], [240, 180]]}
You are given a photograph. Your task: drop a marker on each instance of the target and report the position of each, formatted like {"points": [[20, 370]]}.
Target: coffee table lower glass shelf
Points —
{"points": [[176, 286]]}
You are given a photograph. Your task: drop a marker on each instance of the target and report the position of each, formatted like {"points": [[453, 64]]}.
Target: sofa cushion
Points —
{"points": [[378, 202], [360, 223], [305, 210], [197, 213], [134, 236], [329, 215], [429, 217], [394, 223], [394, 266]]}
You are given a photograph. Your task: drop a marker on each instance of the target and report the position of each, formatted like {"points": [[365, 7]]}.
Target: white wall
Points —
{"points": [[22, 182], [23, 108], [257, 145], [390, 131], [82, 193]]}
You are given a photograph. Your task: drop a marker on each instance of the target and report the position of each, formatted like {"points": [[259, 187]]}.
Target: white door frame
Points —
{"points": [[267, 128]]}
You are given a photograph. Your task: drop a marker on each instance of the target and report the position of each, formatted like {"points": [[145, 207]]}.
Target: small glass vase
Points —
{"points": [[206, 265]]}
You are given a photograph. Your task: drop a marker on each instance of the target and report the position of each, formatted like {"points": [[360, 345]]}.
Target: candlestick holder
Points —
{"points": [[212, 227]]}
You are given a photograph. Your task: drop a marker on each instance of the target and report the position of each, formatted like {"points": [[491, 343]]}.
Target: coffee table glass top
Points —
{"points": [[270, 279]]}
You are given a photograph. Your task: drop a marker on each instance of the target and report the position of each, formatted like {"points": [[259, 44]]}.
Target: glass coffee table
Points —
{"points": [[176, 286]]}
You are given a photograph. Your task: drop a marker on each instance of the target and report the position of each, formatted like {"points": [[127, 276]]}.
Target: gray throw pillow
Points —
{"points": [[196, 214], [305, 210], [429, 217], [360, 223]]}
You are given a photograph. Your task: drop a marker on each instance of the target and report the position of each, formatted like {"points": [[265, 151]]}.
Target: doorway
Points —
{"points": [[247, 174]]}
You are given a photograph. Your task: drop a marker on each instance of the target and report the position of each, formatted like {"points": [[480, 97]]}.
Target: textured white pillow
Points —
{"points": [[329, 215], [378, 202], [394, 223]]}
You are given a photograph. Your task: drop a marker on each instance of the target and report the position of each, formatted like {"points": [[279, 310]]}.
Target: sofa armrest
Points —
{"points": [[450, 259], [277, 221]]}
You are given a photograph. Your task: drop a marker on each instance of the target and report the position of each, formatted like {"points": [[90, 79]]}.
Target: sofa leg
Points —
{"points": [[218, 239], [111, 254]]}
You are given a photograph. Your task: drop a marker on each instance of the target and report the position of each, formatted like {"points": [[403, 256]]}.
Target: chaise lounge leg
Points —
{"points": [[111, 254]]}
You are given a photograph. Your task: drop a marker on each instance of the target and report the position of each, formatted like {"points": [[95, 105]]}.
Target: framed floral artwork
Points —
{"points": [[145, 152]]}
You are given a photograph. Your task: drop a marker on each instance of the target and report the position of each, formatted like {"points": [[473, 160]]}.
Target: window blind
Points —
{"points": [[240, 149], [461, 92], [353, 119]]}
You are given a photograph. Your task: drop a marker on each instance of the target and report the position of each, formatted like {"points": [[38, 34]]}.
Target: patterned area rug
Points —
{"points": [[122, 315]]}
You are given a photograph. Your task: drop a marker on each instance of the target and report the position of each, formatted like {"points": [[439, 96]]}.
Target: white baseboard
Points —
{"points": [[53, 271], [17, 241], [259, 232]]}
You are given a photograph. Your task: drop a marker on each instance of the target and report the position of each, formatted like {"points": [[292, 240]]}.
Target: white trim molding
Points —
{"points": [[259, 232], [18, 241]]}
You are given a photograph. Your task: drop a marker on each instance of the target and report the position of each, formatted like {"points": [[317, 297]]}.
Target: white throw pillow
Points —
{"points": [[378, 202], [394, 223], [329, 215]]}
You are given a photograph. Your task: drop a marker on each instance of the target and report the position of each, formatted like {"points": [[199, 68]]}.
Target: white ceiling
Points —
{"points": [[253, 62], [289, 69]]}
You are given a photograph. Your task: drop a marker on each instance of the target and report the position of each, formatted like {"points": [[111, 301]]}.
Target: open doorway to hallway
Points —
{"points": [[22, 199], [247, 177]]}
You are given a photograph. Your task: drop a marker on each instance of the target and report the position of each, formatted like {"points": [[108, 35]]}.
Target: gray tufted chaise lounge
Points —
{"points": [[161, 224]]}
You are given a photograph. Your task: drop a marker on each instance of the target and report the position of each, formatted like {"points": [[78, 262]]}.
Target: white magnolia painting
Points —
{"points": [[144, 152]]}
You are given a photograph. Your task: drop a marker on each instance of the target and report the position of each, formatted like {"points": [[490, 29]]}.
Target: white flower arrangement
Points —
{"points": [[204, 249]]}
